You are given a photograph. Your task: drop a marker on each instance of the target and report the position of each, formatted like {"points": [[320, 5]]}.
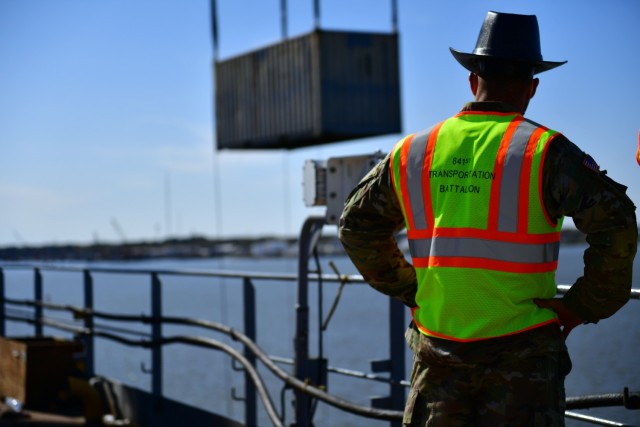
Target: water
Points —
{"points": [[604, 355]]}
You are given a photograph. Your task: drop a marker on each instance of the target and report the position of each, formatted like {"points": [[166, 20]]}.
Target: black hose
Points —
{"points": [[237, 336], [579, 402], [196, 341]]}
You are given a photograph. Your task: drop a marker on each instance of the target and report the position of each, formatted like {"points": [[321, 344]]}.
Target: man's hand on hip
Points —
{"points": [[568, 320]]}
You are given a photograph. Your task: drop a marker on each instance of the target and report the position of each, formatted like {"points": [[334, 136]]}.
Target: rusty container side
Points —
{"points": [[321, 87]]}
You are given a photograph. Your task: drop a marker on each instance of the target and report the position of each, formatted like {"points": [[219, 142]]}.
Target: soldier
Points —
{"points": [[482, 196]]}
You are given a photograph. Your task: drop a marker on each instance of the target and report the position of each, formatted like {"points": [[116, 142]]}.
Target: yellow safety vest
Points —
{"points": [[480, 239]]}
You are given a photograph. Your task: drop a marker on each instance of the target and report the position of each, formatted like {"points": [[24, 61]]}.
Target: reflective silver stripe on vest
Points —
{"points": [[510, 185], [415, 163], [488, 249]]}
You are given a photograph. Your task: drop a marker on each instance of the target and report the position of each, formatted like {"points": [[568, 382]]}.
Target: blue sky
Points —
{"points": [[106, 107]]}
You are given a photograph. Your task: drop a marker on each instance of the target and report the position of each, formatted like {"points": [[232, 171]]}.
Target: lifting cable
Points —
{"points": [[343, 281], [284, 21]]}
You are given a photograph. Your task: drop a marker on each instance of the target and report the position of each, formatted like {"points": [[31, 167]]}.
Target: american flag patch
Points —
{"points": [[591, 164]]}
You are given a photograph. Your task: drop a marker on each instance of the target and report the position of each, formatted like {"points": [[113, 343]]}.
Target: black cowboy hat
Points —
{"points": [[509, 43]]}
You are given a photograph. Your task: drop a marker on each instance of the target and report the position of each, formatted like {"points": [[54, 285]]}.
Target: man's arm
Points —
{"points": [[600, 209], [371, 218]]}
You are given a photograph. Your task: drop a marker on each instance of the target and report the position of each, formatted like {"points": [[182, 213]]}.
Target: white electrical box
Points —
{"points": [[329, 182]]}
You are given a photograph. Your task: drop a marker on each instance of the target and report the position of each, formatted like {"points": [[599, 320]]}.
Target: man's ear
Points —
{"points": [[473, 83], [534, 87]]}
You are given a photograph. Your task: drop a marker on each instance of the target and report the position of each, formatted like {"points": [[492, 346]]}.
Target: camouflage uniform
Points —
{"points": [[514, 380]]}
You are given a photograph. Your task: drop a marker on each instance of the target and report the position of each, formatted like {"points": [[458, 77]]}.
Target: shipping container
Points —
{"points": [[321, 87]]}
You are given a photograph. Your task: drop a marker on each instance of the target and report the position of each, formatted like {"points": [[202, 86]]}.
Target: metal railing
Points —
{"points": [[86, 325]]}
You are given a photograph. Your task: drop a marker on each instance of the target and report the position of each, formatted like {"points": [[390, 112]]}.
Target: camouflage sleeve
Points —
{"points": [[574, 186], [371, 218]]}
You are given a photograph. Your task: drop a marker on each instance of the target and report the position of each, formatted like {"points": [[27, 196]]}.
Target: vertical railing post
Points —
{"points": [[2, 308], [396, 353], [311, 230], [38, 297], [249, 302], [156, 335], [395, 364], [89, 341]]}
